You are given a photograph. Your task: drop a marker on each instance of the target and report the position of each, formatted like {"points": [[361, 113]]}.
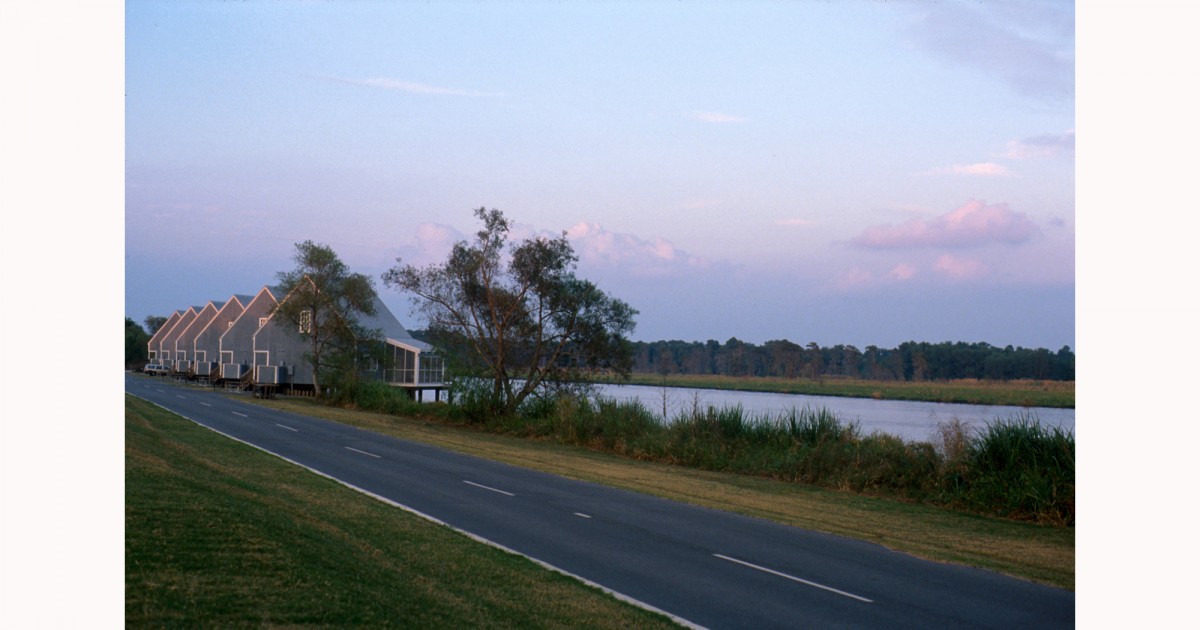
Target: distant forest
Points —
{"points": [[911, 361]]}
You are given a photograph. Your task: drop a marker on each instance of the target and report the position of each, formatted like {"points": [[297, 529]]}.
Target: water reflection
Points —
{"points": [[905, 419]]}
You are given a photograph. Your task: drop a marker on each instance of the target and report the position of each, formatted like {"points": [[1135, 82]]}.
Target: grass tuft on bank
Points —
{"points": [[1015, 468]]}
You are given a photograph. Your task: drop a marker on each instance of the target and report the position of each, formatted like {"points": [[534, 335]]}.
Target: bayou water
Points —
{"points": [[905, 419]]}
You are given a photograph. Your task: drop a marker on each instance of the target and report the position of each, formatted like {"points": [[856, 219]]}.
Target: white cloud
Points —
{"points": [[982, 169], [1030, 47], [714, 117], [413, 87]]}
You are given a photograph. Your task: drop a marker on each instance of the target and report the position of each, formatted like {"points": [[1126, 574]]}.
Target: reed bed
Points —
{"points": [[1013, 468]]}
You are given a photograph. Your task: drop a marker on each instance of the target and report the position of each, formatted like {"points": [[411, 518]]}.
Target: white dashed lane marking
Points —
{"points": [[795, 579], [479, 485]]}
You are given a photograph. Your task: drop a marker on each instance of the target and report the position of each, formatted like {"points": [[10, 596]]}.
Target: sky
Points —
{"points": [[864, 173], [223, 119]]}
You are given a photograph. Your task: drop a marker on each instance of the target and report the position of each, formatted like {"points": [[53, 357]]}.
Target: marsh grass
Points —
{"points": [[1014, 468]]}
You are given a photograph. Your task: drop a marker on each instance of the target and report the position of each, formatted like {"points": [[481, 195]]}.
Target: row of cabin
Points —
{"points": [[240, 341]]}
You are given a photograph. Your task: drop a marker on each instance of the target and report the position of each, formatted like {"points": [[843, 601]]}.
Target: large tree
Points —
{"points": [[323, 301], [523, 317], [154, 322], [136, 339]]}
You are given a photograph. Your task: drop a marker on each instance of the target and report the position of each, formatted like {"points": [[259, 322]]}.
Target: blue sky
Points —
{"points": [[858, 172], [99, 140]]}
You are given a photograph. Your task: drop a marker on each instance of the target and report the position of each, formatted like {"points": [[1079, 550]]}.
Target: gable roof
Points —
{"points": [[391, 328]]}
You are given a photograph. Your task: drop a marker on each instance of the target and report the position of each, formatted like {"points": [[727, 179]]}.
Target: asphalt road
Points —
{"points": [[704, 567]]}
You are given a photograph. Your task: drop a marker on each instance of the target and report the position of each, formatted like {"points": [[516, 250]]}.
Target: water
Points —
{"points": [[905, 419]]}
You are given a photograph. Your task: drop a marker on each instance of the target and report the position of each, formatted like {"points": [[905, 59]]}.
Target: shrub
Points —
{"points": [[1019, 468]]}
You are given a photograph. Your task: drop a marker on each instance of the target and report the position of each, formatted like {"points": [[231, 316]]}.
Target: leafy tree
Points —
{"points": [[814, 360], [323, 302], [153, 323], [526, 321], [136, 339]]}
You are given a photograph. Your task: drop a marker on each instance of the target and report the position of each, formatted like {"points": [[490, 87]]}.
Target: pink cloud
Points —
{"points": [[959, 268], [903, 271], [853, 279], [658, 257], [975, 223]]}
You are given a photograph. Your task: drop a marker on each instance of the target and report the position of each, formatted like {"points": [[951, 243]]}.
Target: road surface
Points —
{"points": [[703, 567]]}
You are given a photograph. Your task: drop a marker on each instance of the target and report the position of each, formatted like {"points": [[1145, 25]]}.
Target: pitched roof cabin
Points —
{"points": [[167, 354], [207, 345], [406, 362], [185, 344], [154, 346], [237, 342], [231, 340]]}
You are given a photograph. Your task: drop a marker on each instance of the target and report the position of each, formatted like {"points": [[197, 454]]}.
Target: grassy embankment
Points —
{"points": [[725, 443], [218, 534], [1021, 393]]}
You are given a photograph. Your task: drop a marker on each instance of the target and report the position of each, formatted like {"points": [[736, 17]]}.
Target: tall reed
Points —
{"points": [[1014, 468]]}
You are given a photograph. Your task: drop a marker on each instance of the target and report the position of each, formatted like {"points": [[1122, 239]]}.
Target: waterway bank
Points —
{"points": [[1024, 393], [911, 420]]}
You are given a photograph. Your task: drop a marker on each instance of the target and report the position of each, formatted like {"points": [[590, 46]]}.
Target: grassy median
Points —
{"points": [[219, 534]]}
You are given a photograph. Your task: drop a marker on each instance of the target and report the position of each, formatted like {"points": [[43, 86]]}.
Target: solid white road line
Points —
{"points": [[205, 404], [479, 485], [178, 396], [363, 452], [287, 427], [239, 414], [795, 579], [582, 515]]}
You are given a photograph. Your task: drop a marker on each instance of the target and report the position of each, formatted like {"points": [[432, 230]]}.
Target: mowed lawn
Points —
{"points": [[219, 534]]}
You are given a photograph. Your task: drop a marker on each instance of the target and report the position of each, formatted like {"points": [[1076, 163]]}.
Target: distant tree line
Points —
{"points": [[910, 361]]}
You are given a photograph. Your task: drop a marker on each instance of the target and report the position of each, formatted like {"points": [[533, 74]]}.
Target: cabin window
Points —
{"points": [[306, 321], [432, 369], [403, 368], [262, 321], [227, 357], [201, 355]]}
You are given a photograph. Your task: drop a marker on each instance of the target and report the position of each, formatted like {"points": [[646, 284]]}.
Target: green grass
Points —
{"points": [[1016, 469], [218, 534], [1022, 393]]}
